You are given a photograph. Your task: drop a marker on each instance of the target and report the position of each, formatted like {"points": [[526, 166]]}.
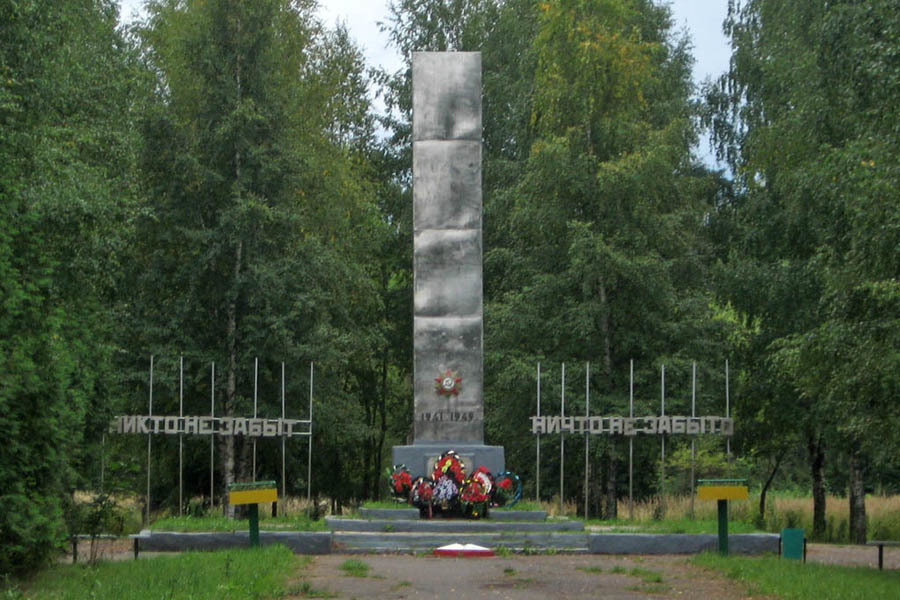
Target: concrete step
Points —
{"points": [[517, 515], [338, 524], [417, 542], [324, 542], [413, 513]]}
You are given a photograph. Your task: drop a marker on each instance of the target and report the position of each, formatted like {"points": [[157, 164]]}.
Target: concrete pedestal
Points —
{"points": [[420, 458]]}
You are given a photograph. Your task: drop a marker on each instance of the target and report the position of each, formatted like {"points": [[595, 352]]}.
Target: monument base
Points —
{"points": [[420, 458]]}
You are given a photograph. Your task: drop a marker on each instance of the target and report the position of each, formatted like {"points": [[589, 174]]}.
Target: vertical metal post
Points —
{"points": [[587, 434], [723, 527], [727, 411], [693, 439], [283, 478], [309, 452], [562, 445], [255, 381], [212, 437], [254, 525], [149, 440], [180, 437], [631, 441], [662, 447], [537, 492]]}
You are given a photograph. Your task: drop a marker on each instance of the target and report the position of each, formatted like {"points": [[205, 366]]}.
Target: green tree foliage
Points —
{"points": [[66, 187], [262, 231], [806, 117], [605, 253]]}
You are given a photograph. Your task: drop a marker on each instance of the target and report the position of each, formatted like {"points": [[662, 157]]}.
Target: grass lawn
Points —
{"points": [[232, 574], [794, 580]]}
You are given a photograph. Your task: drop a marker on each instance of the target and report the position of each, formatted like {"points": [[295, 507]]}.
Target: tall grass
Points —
{"points": [[882, 516], [782, 511], [234, 574]]}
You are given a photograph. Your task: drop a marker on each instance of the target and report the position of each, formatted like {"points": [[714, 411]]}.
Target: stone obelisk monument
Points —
{"points": [[448, 307]]}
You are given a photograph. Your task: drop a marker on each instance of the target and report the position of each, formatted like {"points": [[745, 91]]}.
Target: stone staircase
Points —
{"points": [[401, 530]]}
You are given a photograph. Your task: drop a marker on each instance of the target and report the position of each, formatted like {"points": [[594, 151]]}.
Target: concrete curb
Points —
{"points": [[652, 543], [517, 515], [421, 541], [389, 513], [300, 542]]}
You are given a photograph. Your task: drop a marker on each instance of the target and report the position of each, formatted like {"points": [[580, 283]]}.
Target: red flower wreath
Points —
{"points": [[448, 383], [451, 465], [401, 481]]}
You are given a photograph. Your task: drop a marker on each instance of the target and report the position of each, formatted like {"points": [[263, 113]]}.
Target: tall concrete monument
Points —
{"points": [[448, 307]]}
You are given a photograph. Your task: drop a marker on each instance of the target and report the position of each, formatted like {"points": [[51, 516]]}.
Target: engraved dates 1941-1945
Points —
{"points": [[446, 415]]}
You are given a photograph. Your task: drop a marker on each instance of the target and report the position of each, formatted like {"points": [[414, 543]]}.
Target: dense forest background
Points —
{"points": [[214, 183]]}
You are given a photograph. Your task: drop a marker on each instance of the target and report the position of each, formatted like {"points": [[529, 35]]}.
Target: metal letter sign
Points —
{"points": [[631, 426], [221, 426]]}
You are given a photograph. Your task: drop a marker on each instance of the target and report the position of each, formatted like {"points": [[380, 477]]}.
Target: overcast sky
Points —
{"points": [[702, 19]]}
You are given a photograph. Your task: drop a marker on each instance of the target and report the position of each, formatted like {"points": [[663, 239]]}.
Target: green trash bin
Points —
{"points": [[792, 544]]}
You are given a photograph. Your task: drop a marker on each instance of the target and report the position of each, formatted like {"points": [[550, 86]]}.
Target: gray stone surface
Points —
{"points": [[450, 525], [301, 542], [447, 185], [651, 543], [446, 95], [420, 541], [448, 343], [452, 285], [413, 513], [417, 457], [389, 513], [753, 543], [423, 542], [518, 515]]}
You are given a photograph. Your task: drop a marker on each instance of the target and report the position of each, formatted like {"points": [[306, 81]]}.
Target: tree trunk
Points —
{"points": [[765, 488], [817, 466], [228, 449], [857, 501], [382, 430], [612, 498], [368, 398], [612, 503], [604, 330]]}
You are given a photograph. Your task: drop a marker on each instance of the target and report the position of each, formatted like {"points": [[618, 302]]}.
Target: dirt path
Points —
{"points": [[516, 577], [522, 577]]}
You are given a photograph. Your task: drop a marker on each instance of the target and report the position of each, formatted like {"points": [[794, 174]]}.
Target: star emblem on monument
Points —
{"points": [[448, 383]]}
